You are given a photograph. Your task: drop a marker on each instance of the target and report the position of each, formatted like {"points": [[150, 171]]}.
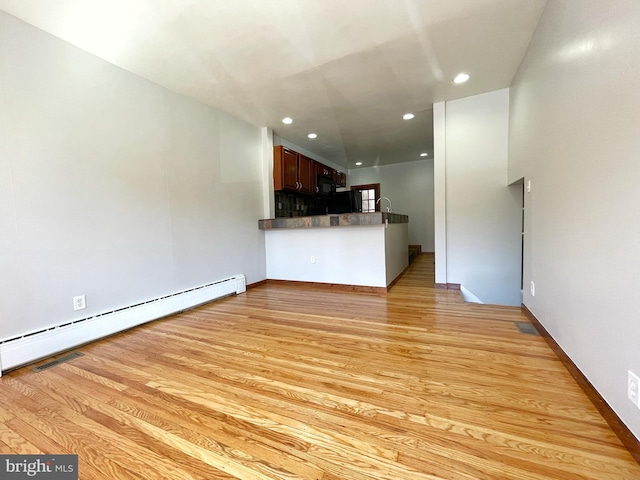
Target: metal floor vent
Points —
{"points": [[527, 328], [57, 361]]}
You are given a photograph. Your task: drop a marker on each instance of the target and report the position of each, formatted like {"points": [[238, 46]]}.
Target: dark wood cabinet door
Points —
{"points": [[314, 176], [340, 178], [304, 173], [285, 169], [324, 170], [289, 169]]}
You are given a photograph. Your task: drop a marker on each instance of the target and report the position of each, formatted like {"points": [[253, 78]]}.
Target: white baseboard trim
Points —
{"points": [[37, 345], [469, 296]]}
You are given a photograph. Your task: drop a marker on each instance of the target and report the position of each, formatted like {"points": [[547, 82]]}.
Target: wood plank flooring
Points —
{"points": [[288, 382]]}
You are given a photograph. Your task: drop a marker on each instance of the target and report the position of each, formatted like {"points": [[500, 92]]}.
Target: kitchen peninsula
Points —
{"points": [[351, 249]]}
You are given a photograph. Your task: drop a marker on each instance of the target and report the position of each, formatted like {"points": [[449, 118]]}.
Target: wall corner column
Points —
{"points": [[439, 191], [267, 173]]}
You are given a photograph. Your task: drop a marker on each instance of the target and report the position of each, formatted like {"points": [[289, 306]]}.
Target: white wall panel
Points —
{"points": [[113, 187], [574, 135], [410, 187], [353, 255], [483, 214]]}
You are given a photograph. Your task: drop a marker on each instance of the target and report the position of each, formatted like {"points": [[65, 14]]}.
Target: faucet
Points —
{"points": [[389, 209]]}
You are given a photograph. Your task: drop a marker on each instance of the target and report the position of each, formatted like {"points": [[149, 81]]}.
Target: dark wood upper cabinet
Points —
{"points": [[291, 170], [296, 172], [324, 170], [340, 178], [285, 169], [305, 169]]}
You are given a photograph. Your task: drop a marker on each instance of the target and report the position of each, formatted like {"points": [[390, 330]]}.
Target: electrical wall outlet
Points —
{"points": [[79, 302], [312, 259], [633, 383], [533, 289]]}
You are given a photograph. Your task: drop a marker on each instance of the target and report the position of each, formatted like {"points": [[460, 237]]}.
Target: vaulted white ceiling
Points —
{"points": [[346, 70]]}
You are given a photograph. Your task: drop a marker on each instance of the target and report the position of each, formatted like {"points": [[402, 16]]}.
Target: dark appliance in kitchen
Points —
{"points": [[345, 202], [326, 186]]}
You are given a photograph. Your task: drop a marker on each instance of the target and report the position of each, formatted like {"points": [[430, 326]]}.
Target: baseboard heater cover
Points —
{"points": [[42, 344]]}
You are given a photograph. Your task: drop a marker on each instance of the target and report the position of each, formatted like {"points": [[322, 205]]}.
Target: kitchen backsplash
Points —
{"points": [[293, 205]]}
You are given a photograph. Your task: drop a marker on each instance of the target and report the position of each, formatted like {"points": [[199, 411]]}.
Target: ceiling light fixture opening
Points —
{"points": [[424, 154], [408, 116], [312, 135], [287, 120], [358, 164], [461, 78]]}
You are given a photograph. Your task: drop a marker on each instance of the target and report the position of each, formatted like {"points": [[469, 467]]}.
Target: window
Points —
{"points": [[370, 195]]}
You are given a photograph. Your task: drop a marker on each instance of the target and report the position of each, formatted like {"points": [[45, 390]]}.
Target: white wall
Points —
{"points": [[353, 255], [440, 191], [113, 187], [575, 135], [364, 255], [396, 254], [483, 215], [268, 193], [409, 186]]}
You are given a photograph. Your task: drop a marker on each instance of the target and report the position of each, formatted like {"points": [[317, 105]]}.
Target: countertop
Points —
{"points": [[333, 220]]}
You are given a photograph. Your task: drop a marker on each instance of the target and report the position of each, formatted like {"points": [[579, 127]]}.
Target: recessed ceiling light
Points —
{"points": [[358, 164], [408, 116], [424, 154], [287, 120], [312, 135], [460, 78]]}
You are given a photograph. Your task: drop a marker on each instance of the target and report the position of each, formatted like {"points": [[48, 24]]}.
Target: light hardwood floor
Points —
{"points": [[288, 382]]}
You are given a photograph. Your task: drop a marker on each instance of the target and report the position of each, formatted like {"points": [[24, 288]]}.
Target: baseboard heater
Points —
{"points": [[28, 348]]}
